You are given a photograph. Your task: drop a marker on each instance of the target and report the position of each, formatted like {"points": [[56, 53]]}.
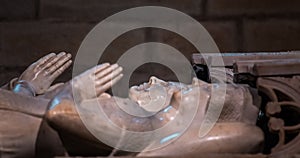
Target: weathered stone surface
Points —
{"points": [[17, 9], [144, 72], [7, 74], [223, 33], [206, 156], [251, 7], [272, 35], [121, 44], [24, 43], [95, 10]]}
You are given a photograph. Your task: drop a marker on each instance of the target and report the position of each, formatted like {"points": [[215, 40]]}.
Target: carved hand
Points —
{"points": [[92, 83], [39, 76]]}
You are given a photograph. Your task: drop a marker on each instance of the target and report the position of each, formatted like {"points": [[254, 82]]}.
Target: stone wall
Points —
{"points": [[30, 29]]}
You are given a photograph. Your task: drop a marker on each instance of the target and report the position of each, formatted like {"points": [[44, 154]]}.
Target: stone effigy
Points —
{"points": [[40, 120], [236, 121]]}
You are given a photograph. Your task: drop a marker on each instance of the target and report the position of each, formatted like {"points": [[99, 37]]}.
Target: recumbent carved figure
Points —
{"points": [[39, 120]]}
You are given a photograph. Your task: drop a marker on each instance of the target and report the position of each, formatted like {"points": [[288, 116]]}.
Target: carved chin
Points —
{"points": [[153, 103], [140, 97]]}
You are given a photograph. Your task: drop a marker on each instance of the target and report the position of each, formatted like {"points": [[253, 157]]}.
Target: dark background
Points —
{"points": [[29, 29]]}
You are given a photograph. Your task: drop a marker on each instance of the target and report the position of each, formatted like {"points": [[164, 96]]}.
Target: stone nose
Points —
{"points": [[155, 80]]}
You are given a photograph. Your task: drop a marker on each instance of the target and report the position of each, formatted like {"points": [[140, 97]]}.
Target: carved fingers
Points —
{"points": [[42, 73], [54, 63], [93, 82], [58, 65], [107, 77], [44, 60], [61, 69]]}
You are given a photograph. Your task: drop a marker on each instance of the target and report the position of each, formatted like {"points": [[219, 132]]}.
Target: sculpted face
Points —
{"points": [[156, 94]]}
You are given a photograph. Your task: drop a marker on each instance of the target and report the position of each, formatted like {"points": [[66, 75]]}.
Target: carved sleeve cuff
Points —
{"points": [[24, 87]]}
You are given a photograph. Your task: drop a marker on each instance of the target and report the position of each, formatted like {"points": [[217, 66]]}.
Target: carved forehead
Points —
{"points": [[171, 84], [154, 79]]}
